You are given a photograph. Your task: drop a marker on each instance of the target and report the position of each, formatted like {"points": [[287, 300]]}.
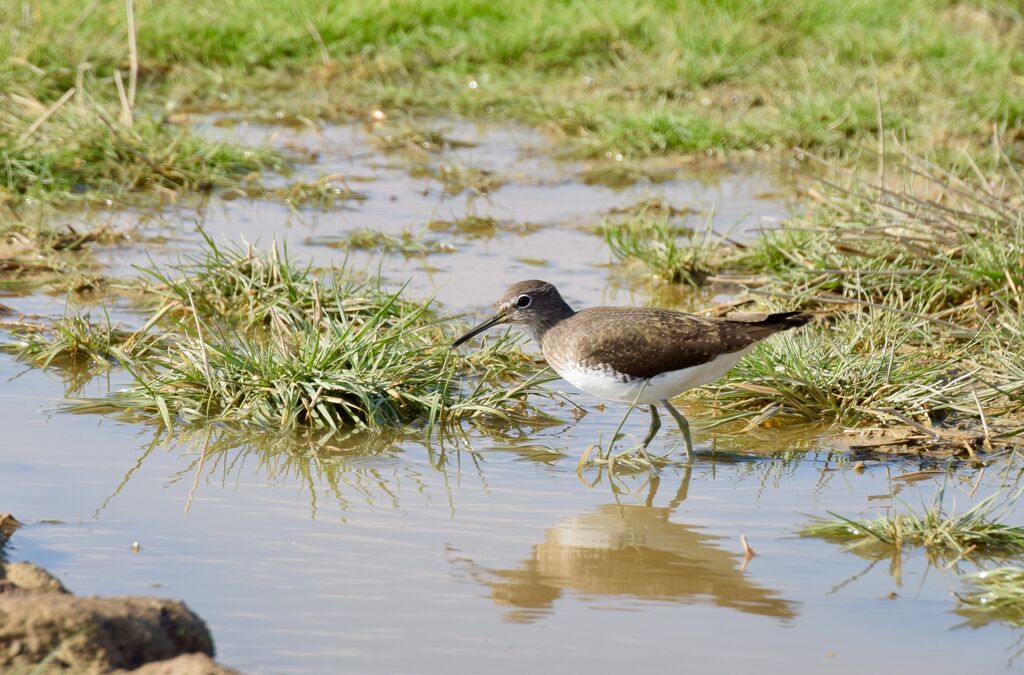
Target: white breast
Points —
{"points": [[613, 386]]}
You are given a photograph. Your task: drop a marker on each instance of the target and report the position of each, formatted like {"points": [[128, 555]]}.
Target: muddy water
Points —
{"points": [[369, 554]]}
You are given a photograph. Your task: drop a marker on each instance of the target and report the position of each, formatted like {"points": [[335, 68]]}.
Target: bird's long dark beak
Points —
{"points": [[493, 321]]}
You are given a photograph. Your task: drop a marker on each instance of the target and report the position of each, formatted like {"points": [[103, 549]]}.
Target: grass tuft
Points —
{"points": [[672, 253], [76, 341], [977, 532], [255, 340], [864, 366]]}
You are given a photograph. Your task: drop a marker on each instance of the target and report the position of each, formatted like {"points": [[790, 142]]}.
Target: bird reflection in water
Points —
{"points": [[632, 551]]}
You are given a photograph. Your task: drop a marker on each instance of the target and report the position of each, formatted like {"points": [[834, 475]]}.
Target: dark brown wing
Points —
{"points": [[645, 342]]}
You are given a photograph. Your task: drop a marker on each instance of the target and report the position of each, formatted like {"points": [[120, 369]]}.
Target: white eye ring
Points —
{"points": [[524, 301]]}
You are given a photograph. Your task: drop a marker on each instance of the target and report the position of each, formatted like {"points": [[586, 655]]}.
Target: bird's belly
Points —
{"points": [[614, 386]]}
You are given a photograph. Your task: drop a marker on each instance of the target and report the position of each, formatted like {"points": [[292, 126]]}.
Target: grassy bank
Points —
{"points": [[917, 284], [642, 78]]}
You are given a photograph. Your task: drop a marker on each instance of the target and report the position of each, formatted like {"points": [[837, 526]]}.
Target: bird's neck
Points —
{"points": [[545, 322]]}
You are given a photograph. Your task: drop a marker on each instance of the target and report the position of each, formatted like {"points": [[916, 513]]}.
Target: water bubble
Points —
{"points": [[473, 84]]}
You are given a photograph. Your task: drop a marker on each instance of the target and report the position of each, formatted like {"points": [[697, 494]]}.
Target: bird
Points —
{"points": [[633, 355]]}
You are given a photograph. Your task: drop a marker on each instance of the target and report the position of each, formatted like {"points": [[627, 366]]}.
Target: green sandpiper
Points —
{"points": [[634, 355]]}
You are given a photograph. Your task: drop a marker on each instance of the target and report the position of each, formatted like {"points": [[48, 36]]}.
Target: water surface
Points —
{"points": [[374, 554]]}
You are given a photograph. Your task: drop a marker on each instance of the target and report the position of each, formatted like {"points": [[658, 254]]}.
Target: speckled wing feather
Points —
{"points": [[642, 343]]}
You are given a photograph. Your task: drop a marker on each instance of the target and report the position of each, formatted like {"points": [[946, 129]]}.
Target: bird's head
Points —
{"points": [[535, 304]]}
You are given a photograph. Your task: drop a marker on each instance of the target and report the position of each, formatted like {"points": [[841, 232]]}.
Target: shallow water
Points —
{"points": [[373, 555]]}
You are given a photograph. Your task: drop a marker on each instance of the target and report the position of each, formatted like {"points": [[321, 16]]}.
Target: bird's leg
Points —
{"points": [[684, 426], [651, 433]]}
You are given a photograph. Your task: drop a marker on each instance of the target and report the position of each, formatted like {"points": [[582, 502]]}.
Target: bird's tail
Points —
{"points": [[760, 326]]}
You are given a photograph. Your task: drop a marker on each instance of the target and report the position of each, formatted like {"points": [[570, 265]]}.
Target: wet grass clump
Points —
{"points": [[675, 254], [77, 341], [978, 531], [35, 251], [247, 287], [365, 239], [861, 367], [251, 338], [385, 371], [323, 193]]}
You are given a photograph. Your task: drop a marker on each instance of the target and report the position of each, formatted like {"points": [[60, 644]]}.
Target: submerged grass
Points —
{"points": [[976, 532]]}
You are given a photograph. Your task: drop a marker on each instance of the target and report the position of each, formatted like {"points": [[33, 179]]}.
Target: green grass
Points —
{"points": [[76, 341], [241, 336], [976, 532], [861, 367], [365, 239], [945, 247], [246, 287], [386, 372], [675, 254], [648, 77], [84, 153], [918, 287]]}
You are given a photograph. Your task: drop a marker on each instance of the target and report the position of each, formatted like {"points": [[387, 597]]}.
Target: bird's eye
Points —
{"points": [[523, 301]]}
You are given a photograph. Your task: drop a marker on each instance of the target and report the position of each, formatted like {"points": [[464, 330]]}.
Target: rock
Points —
{"points": [[29, 578], [8, 524], [187, 664], [96, 634]]}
